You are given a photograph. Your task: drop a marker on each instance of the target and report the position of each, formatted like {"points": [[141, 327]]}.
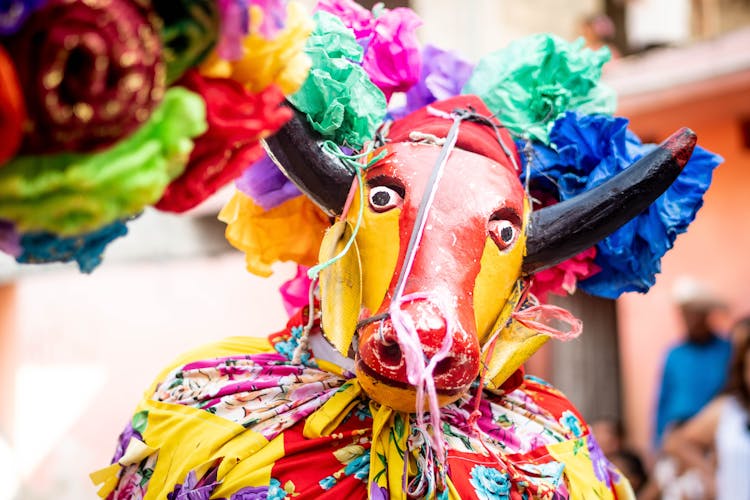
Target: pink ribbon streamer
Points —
{"points": [[542, 317]]}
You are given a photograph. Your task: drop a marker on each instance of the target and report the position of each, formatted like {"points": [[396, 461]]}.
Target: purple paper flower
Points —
{"points": [[10, 240], [13, 13], [235, 25], [274, 16], [354, 16], [392, 59], [251, 493], [443, 75], [266, 184]]}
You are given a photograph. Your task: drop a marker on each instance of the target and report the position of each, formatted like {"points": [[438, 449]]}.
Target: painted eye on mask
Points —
{"points": [[504, 229], [384, 198]]}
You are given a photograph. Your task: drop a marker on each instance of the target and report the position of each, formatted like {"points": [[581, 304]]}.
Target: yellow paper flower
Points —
{"points": [[291, 231], [280, 60]]}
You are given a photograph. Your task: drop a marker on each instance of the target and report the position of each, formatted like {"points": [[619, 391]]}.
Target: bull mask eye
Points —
{"points": [[503, 232], [384, 198]]}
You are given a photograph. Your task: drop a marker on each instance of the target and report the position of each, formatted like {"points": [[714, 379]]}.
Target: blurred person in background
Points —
{"points": [[609, 433], [695, 369], [630, 464], [716, 442], [740, 332], [598, 31]]}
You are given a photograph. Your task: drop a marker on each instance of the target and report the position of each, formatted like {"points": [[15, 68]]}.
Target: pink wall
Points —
{"points": [[82, 350], [715, 249]]}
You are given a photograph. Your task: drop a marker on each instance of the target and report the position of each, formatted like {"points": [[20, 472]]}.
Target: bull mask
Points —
{"points": [[478, 240]]}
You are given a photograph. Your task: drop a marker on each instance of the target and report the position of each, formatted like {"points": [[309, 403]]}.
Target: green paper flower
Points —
{"points": [[533, 81], [70, 194], [338, 97]]}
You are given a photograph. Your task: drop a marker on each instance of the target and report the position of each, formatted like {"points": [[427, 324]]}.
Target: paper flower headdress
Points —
{"points": [[108, 108]]}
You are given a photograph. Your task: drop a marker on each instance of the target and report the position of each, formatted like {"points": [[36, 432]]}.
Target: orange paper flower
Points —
{"points": [[292, 231]]}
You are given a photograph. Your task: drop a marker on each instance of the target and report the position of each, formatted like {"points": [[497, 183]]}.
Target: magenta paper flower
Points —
{"points": [[392, 59], [563, 278], [295, 292], [354, 16]]}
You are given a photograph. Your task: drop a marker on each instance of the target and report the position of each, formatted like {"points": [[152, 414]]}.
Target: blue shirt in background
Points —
{"points": [[693, 374]]}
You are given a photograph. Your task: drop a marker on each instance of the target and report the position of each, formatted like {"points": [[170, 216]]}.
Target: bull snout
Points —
{"points": [[382, 357]]}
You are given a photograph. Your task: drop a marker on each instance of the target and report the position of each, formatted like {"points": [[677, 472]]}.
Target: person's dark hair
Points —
{"points": [[736, 384], [632, 466]]}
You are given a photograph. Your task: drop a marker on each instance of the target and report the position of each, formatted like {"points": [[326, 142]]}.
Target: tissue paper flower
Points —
{"points": [[266, 185], [91, 73], [353, 15], [13, 13], [392, 57], [86, 250], [534, 80], [71, 194], [280, 60], [295, 293], [340, 101], [292, 231], [443, 75], [237, 120], [589, 149]]}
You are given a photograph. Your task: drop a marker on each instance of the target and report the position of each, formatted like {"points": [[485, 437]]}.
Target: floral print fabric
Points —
{"points": [[313, 433]]}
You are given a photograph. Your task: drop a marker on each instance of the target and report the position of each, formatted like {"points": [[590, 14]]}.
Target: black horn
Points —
{"points": [[561, 231], [298, 151]]}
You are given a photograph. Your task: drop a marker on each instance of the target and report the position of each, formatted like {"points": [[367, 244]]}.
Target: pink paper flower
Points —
{"points": [[354, 16], [563, 278], [294, 292], [392, 59]]}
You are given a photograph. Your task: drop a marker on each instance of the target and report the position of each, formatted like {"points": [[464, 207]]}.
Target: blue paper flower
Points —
{"points": [[13, 13], [489, 483], [589, 149], [86, 249]]}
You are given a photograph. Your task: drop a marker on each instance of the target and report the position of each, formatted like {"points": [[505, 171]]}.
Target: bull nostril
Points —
{"points": [[443, 366], [390, 354]]}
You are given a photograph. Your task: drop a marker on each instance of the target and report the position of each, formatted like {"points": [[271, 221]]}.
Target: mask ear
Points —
{"points": [[340, 287], [514, 346]]}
